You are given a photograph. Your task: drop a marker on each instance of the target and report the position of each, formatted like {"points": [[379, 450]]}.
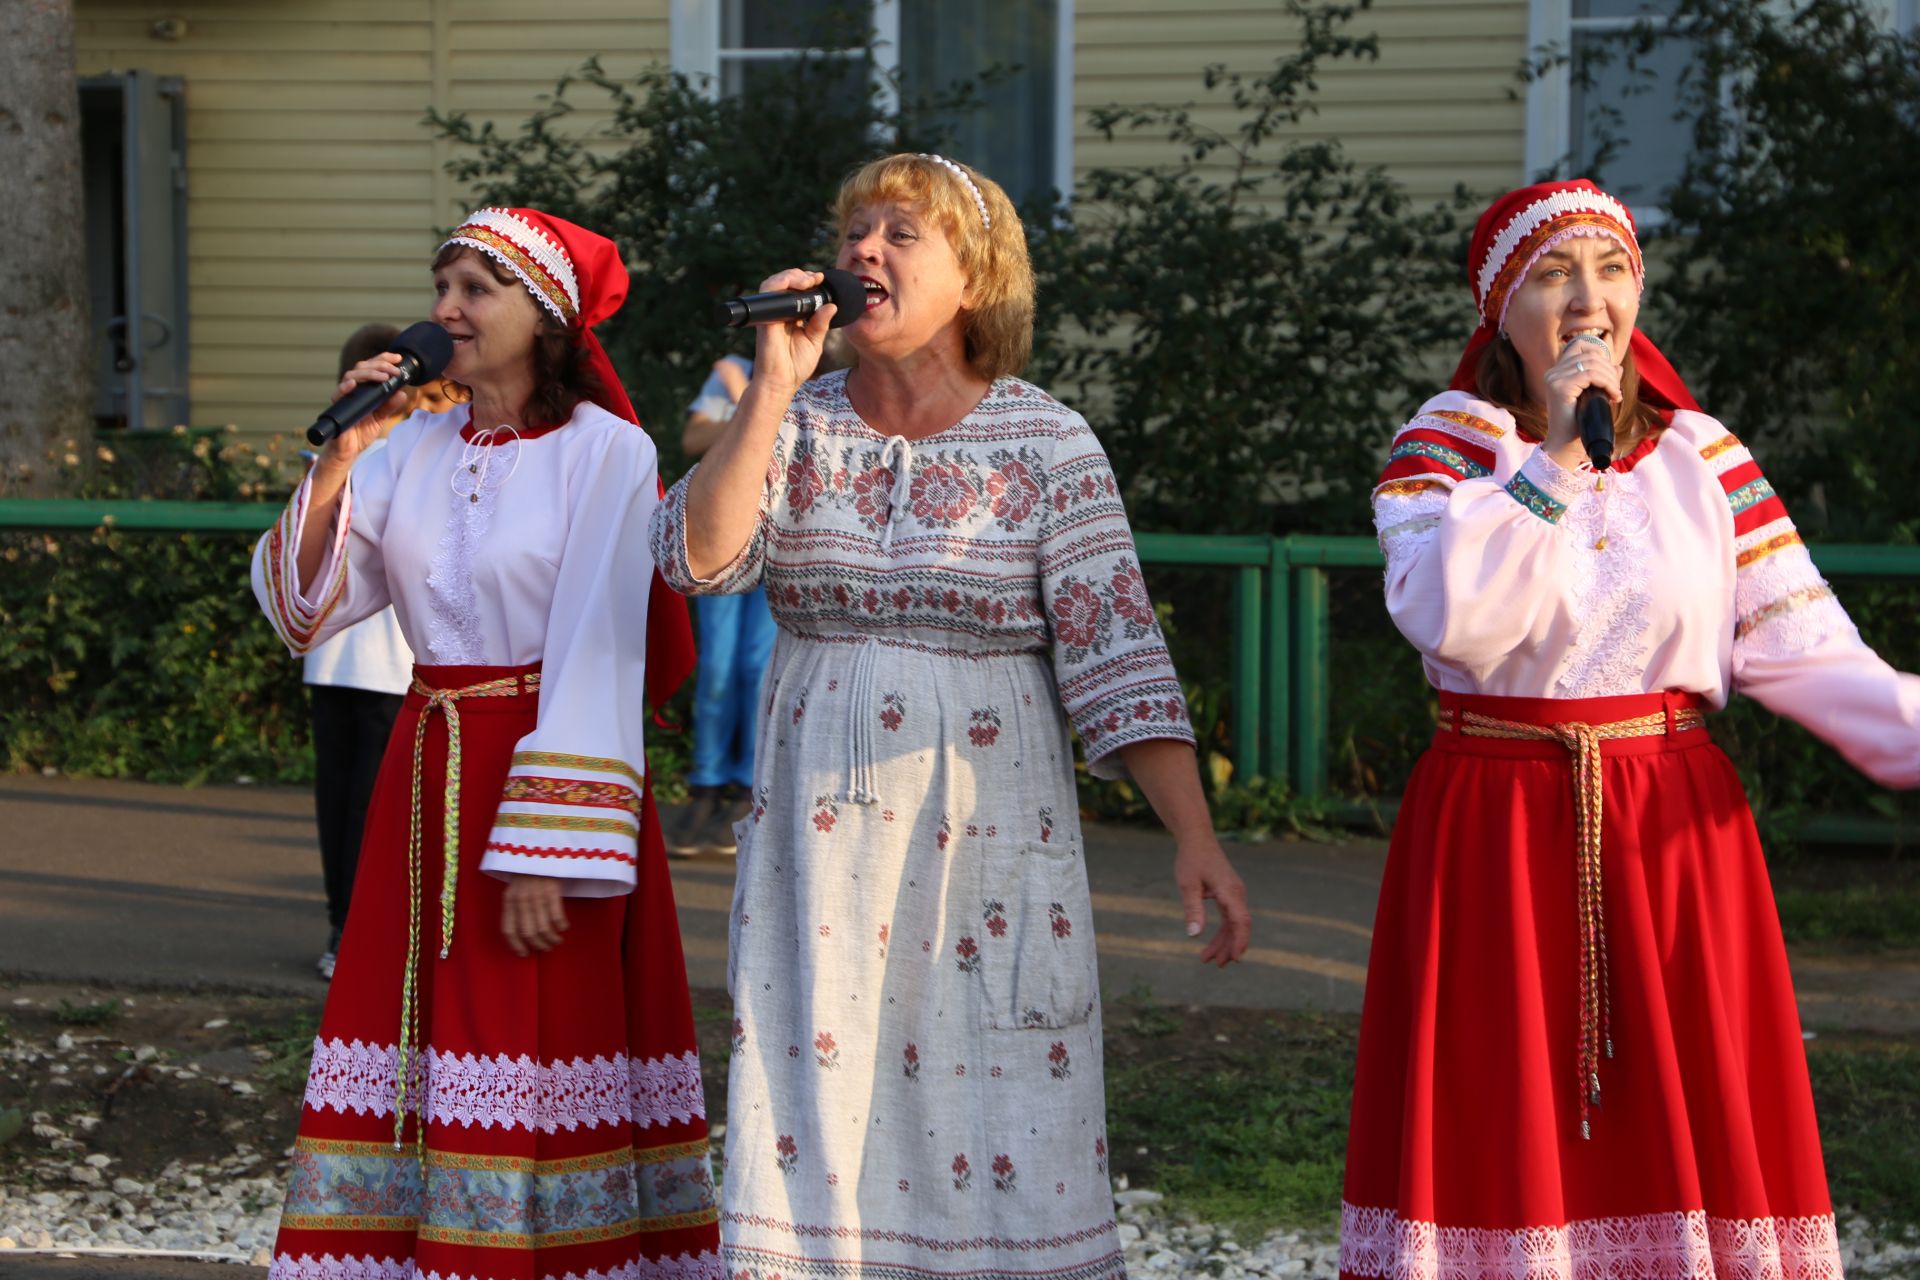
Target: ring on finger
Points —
{"points": [[1579, 366]]}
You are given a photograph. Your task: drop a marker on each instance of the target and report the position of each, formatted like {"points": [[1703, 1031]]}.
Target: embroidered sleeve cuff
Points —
{"points": [[1546, 488], [297, 617], [1141, 701], [575, 818]]}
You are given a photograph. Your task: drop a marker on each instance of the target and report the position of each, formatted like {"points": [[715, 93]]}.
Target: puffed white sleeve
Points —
{"points": [[571, 806], [1473, 563], [351, 585], [1795, 650]]}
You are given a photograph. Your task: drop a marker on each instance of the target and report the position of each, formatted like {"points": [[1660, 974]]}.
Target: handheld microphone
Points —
{"points": [[1595, 417], [842, 288], [424, 350]]}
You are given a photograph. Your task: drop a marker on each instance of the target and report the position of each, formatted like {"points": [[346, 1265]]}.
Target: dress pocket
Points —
{"points": [[1036, 937]]}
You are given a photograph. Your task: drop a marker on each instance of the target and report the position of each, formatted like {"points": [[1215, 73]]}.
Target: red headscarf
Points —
{"points": [[577, 275], [1510, 237]]}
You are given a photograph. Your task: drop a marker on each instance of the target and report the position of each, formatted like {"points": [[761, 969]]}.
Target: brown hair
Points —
{"points": [[561, 379], [1502, 379], [364, 343], [999, 321]]}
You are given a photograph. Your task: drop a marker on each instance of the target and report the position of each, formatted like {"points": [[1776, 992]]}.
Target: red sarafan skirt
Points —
{"points": [[1491, 1004], [552, 1122]]}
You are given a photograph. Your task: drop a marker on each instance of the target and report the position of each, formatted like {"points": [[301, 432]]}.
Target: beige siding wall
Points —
{"points": [[1434, 109], [313, 188]]}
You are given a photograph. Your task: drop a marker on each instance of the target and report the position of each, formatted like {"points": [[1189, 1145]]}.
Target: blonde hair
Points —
{"points": [[998, 324]]}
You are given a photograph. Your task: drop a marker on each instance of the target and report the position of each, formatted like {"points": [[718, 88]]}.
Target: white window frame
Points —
{"points": [[694, 49], [1549, 145]]}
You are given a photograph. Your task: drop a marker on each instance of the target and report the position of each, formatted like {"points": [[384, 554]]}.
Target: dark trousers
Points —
{"points": [[350, 732]]}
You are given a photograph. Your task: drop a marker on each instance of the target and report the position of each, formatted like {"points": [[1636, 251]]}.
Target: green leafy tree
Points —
{"points": [[1246, 324], [1787, 290], [705, 196]]}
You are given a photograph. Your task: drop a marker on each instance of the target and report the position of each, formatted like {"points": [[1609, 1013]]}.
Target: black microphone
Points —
{"points": [[424, 350], [1595, 417], [1592, 415], [842, 288]]}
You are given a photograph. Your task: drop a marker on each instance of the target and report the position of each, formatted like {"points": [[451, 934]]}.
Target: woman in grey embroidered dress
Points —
{"points": [[916, 1079]]}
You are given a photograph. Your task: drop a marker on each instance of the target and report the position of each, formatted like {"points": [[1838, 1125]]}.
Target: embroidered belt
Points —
{"points": [[1582, 742], [446, 702]]}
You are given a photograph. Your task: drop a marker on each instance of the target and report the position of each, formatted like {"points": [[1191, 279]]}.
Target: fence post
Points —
{"points": [[1309, 706], [1277, 749], [1247, 654]]}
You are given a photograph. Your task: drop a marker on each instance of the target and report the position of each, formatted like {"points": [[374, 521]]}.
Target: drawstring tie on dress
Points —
{"points": [[446, 702], [1582, 742], [897, 455]]}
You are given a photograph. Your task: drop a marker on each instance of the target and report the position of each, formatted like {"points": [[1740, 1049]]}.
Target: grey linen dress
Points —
{"points": [[915, 1088]]}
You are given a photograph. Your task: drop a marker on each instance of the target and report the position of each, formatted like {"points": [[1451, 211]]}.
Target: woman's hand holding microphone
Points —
{"points": [[1586, 361]]}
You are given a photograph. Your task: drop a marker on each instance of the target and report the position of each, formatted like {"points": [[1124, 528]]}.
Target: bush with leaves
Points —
{"points": [[1787, 291], [705, 197], [143, 654], [1247, 324]]}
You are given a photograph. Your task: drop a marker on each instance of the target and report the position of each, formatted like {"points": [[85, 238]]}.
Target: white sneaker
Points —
{"points": [[325, 965]]}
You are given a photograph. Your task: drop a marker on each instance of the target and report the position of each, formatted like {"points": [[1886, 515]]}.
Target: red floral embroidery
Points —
{"points": [[1062, 927], [893, 710], [872, 496], [1130, 596], [1046, 825], [826, 813], [885, 929], [911, 1067], [962, 1173], [1058, 1061], [994, 912], [825, 1051], [788, 1152], [1077, 615], [969, 952], [804, 484], [983, 729], [1100, 1155], [941, 494], [1014, 492], [739, 1035], [1004, 1173]]}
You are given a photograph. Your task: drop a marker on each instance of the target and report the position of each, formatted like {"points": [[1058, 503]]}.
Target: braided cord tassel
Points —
{"points": [[1582, 742], [410, 978], [450, 826]]}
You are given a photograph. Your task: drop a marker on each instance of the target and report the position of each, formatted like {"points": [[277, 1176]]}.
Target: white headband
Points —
{"points": [[961, 174]]}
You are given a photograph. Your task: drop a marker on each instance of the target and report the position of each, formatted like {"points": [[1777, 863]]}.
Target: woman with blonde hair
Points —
{"points": [[916, 1078]]}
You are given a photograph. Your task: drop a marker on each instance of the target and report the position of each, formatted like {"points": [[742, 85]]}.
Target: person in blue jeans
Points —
{"points": [[736, 641]]}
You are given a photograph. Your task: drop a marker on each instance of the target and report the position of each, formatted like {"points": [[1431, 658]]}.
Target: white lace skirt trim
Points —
{"points": [[1654, 1246], [705, 1265], [468, 1090]]}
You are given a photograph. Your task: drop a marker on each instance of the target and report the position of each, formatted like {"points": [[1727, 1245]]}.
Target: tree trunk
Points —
{"points": [[46, 332]]}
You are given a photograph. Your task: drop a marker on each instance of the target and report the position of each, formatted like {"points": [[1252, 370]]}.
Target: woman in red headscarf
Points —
{"points": [[1580, 1055], [505, 1082]]}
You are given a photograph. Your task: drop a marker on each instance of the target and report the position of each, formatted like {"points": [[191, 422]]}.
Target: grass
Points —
{"points": [[1256, 1136], [101, 1013], [1867, 1092], [1252, 1133], [291, 1045], [1869, 915]]}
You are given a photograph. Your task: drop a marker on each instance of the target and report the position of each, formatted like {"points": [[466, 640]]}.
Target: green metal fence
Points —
{"points": [[1281, 620]]}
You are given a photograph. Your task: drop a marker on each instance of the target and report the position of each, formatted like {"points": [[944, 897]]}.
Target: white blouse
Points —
{"points": [[500, 550], [1516, 577]]}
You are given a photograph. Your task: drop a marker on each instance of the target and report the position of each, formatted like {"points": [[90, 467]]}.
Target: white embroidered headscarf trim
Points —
{"points": [[979, 200], [486, 228]]}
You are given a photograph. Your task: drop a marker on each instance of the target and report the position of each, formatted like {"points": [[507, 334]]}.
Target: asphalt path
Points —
{"points": [[132, 884]]}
